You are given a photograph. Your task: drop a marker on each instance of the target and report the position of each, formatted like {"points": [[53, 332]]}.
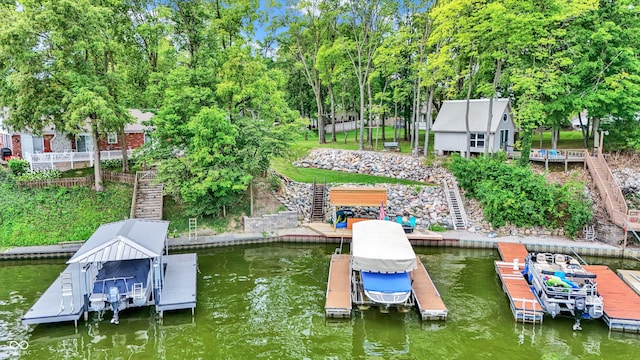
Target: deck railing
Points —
{"points": [[609, 191], [558, 154], [51, 160], [78, 181]]}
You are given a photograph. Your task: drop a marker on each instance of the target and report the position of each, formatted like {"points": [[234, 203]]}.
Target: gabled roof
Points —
{"points": [[452, 115], [124, 240]]}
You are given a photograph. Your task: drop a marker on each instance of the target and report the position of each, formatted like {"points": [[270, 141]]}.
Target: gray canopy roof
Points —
{"points": [[452, 115], [124, 240], [381, 246]]}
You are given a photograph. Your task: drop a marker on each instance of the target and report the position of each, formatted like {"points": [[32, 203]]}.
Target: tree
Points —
{"points": [[64, 57]]}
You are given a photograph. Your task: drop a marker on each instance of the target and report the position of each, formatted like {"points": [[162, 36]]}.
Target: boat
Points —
{"points": [[563, 287], [382, 260]]}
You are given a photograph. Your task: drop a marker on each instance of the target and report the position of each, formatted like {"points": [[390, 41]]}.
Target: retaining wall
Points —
{"points": [[266, 223]]}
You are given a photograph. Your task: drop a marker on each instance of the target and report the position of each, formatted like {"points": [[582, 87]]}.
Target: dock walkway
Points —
{"points": [[523, 304], [62, 301], [338, 302], [428, 300], [621, 303], [179, 290]]}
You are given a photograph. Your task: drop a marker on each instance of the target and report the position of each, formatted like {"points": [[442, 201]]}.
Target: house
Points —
{"points": [[450, 129], [53, 141]]}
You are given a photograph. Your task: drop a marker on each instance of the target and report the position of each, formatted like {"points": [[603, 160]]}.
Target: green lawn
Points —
{"points": [[568, 140]]}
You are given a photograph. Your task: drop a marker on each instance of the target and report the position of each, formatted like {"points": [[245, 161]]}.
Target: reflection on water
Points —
{"points": [[266, 302]]}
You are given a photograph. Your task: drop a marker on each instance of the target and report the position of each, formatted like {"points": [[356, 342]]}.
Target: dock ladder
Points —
{"points": [[317, 209], [527, 315], [589, 233], [456, 206], [66, 284], [138, 294]]}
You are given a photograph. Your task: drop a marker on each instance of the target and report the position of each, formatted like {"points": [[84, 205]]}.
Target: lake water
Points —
{"points": [[266, 302]]}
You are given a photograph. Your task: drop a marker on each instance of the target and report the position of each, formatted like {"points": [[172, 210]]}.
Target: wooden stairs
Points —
{"points": [[317, 209], [456, 206], [147, 197], [611, 194]]}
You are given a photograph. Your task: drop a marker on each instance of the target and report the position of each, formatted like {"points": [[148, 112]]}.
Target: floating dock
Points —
{"points": [[621, 303], [428, 300], [338, 302], [523, 304], [179, 290], [632, 278], [59, 302]]}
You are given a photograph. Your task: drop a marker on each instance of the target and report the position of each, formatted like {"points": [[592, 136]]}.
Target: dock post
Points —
{"points": [[515, 264]]}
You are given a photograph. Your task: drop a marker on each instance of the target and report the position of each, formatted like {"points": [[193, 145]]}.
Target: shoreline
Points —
{"points": [[451, 238]]}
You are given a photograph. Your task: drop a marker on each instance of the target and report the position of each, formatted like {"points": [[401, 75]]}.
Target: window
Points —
{"points": [[504, 139], [505, 117], [112, 138], [477, 140]]}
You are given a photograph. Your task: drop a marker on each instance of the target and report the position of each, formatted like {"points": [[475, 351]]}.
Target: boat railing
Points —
{"points": [[126, 283], [585, 290]]}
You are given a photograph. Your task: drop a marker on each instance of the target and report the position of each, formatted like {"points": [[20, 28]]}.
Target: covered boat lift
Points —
{"points": [[124, 264]]}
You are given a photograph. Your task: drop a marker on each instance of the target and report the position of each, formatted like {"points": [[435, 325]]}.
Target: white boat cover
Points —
{"points": [[381, 246]]}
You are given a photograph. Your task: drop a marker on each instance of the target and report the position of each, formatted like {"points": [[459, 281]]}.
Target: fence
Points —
{"points": [[69, 160], [78, 181]]}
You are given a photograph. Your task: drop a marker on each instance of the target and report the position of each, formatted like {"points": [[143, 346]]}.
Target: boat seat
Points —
{"points": [[541, 258], [560, 259]]}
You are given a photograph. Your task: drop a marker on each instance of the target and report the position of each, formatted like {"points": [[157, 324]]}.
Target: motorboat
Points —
{"points": [[382, 261], [563, 287]]}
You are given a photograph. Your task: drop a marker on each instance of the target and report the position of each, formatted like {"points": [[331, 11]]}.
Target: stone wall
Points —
{"points": [[266, 223]]}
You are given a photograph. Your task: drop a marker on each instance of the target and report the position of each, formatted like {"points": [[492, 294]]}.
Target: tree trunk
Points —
{"points": [[466, 115], [487, 134], [125, 156], [416, 120], [585, 131], [97, 172], [596, 135], [361, 86], [251, 197], [370, 117], [428, 121], [333, 113]]}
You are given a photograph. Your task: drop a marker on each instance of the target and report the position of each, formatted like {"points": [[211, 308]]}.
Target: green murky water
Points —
{"points": [[266, 302]]}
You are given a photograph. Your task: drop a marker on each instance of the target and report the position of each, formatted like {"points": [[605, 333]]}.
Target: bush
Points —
{"points": [[18, 166], [515, 195], [112, 164], [45, 174]]}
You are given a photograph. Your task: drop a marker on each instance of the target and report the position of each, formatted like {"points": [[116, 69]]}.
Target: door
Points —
{"points": [[504, 139], [84, 143]]}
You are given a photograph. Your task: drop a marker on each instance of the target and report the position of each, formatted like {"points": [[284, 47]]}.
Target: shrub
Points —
{"points": [[111, 164], [45, 174], [18, 166], [514, 194]]}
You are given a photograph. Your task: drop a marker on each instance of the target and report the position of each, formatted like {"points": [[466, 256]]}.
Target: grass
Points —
{"points": [[51, 215], [568, 140]]}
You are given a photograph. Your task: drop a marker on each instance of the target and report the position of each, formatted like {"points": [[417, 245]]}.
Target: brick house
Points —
{"points": [[52, 141]]}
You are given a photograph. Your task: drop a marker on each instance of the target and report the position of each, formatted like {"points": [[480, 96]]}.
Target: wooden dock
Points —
{"points": [[427, 297], [524, 306], [338, 301], [179, 290], [329, 231], [621, 303]]}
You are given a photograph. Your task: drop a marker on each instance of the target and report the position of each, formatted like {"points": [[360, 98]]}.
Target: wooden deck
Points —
{"points": [[327, 230], [338, 301], [428, 300], [621, 303], [524, 306]]}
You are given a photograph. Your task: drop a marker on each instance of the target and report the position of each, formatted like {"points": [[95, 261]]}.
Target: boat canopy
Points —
{"points": [[381, 246], [124, 240]]}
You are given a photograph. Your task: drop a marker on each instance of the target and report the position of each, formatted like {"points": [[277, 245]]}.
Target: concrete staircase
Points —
{"points": [[456, 206], [147, 198]]}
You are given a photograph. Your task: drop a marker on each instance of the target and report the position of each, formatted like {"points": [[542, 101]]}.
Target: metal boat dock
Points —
{"points": [[523, 304], [621, 303], [632, 278], [179, 290], [428, 300], [59, 302], [338, 301]]}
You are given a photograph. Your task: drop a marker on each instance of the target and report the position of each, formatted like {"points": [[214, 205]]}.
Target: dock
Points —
{"points": [[632, 278], [621, 302], [338, 301], [59, 302], [179, 290], [329, 231], [427, 297], [523, 304]]}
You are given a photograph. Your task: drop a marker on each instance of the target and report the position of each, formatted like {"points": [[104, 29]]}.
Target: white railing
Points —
{"points": [[51, 160]]}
